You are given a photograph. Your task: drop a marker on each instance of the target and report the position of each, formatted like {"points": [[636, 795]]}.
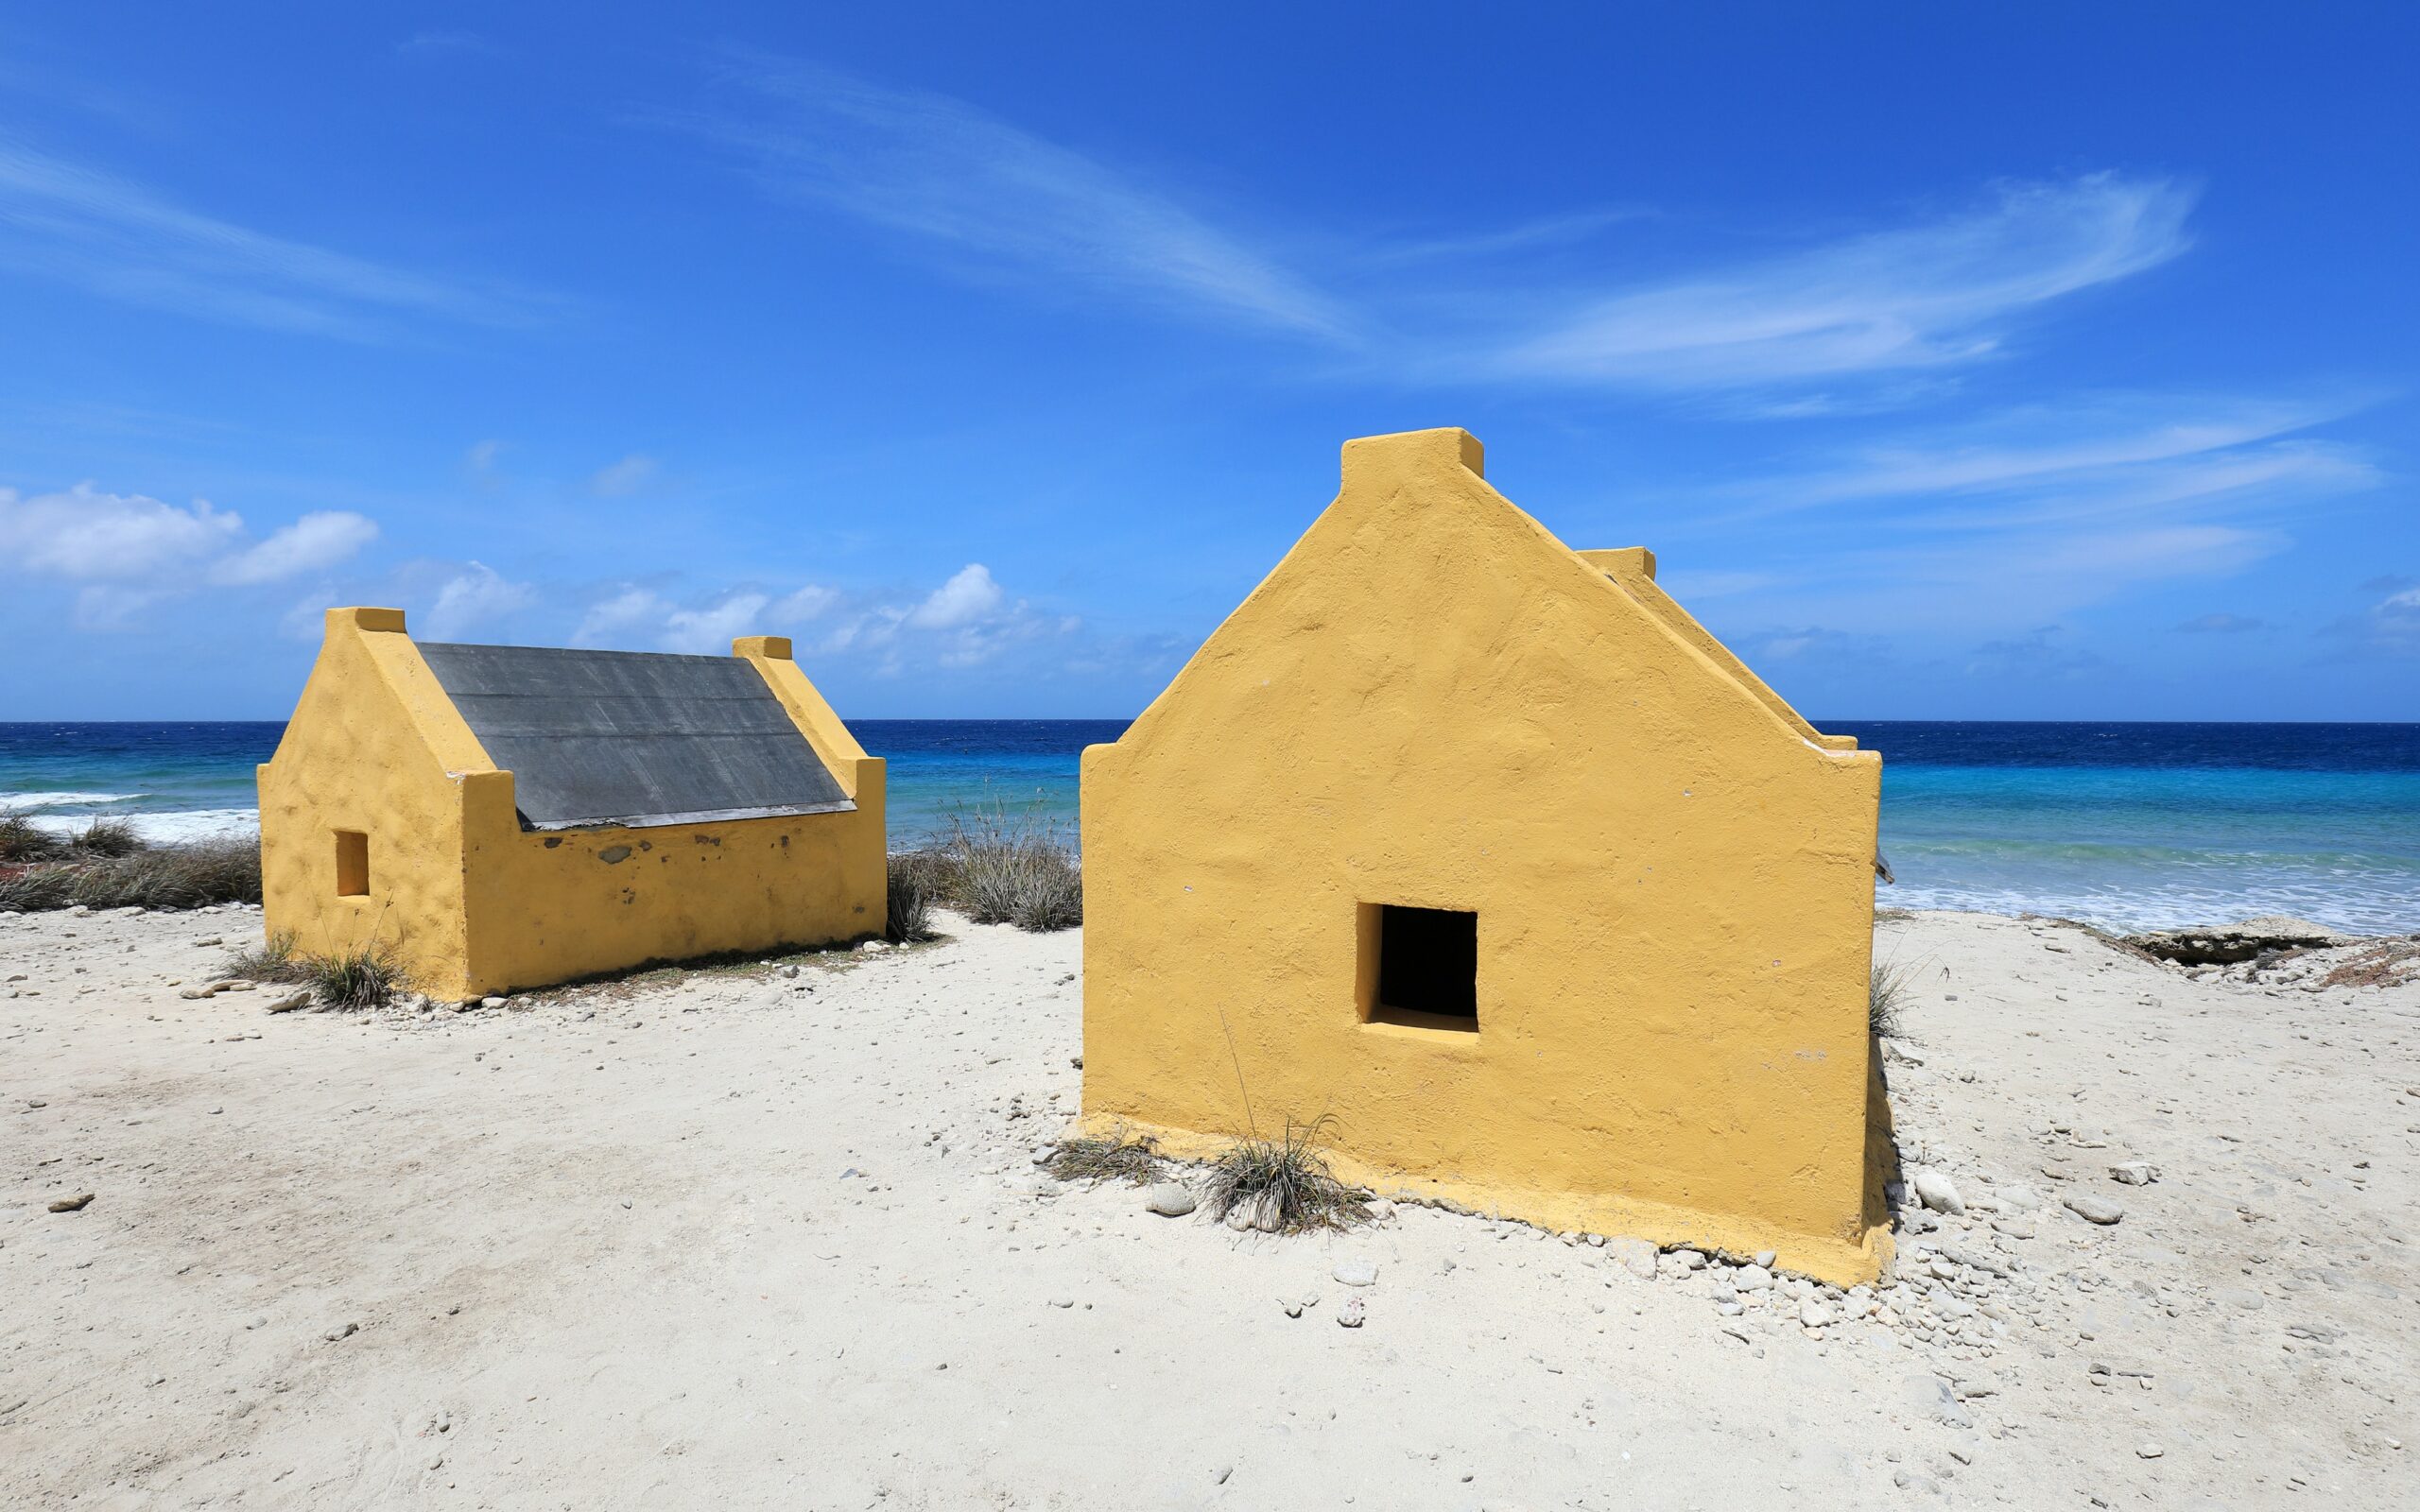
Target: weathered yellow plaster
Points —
{"points": [[471, 903], [1432, 702]]}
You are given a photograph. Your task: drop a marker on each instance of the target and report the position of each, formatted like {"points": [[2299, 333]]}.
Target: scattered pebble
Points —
{"points": [[2093, 1210], [74, 1203], [1170, 1199], [1357, 1273], [1633, 1255], [1936, 1192]]}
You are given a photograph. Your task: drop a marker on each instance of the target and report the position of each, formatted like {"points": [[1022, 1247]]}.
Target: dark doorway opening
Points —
{"points": [[1428, 964]]}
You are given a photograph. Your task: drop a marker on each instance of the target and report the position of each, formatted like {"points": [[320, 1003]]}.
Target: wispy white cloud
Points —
{"points": [[475, 595], [2121, 467], [1888, 306], [314, 543], [1916, 296], [2389, 628], [2000, 521], [967, 621], [711, 630], [619, 481], [77, 225], [83, 535], [940, 169]]}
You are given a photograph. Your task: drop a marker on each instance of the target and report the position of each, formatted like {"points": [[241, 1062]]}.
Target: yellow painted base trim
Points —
{"points": [[1840, 1262]]}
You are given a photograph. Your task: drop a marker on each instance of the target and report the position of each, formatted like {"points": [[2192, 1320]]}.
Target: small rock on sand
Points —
{"points": [[2094, 1209], [1635, 1256], [1170, 1199], [2134, 1173], [1936, 1192], [1352, 1313], [74, 1203], [1356, 1272], [342, 1331], [290, 1001]]}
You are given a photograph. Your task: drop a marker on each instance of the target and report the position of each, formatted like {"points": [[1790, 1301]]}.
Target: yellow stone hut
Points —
{"points": [[509, 817], [1483, 848]]}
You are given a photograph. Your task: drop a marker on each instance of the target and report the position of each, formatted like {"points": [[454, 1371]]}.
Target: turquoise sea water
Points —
{"points": [[2127, 825]]}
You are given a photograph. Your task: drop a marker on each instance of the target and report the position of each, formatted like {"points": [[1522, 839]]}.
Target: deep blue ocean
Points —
{"points": [[2127, 825]]}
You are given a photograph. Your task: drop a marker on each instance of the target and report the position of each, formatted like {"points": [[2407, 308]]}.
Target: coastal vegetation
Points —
{"points": [[1283, 1185], [366, 976], [107, 866], [997, 869], [1886, 993], [1122, 1159]]}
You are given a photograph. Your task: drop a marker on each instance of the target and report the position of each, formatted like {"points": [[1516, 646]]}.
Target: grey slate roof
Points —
{"points": [[634, 738]]}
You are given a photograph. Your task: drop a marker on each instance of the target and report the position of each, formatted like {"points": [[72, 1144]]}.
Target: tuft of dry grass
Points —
{"points": [[1112, 1159], [1886, 995], [915, 883], [106, 837], [1283, 1183], [21, 839], [1001, 869], [273, 960], [168, 876], [366, 976], [30, 889]]}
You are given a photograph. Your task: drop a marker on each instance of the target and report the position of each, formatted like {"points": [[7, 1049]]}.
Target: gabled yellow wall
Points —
{"points": [[474, 905], [1431, 701]]}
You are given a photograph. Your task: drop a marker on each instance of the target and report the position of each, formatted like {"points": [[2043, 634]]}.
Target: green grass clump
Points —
{"points": [[1284, 1183]]}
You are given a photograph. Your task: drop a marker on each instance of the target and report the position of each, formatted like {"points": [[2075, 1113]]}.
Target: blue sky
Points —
{"points": [[1958, 361]]}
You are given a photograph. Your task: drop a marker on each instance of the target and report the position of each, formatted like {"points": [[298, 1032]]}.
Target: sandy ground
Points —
{"points": [[743, 1240]]}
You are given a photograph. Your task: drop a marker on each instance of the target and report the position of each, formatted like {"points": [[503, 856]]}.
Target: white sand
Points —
{"points": [[732, 1243]]}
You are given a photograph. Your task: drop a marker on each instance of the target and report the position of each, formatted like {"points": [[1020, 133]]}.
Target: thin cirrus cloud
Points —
{"points": [[938, 168], [2127, 456], [112, 237], [2033, 511], [1942, 292], [1927, 296]]}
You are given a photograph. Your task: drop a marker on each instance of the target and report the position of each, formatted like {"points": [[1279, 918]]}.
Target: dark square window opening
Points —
{"points": [[1428, 967]]}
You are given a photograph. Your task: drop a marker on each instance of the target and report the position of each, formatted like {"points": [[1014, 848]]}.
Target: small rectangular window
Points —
{"points": [[353, 864], [1428, 965]]}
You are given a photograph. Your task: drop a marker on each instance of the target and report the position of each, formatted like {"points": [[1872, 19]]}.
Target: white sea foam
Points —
{"points": [[29, 802], [172, 828]]}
